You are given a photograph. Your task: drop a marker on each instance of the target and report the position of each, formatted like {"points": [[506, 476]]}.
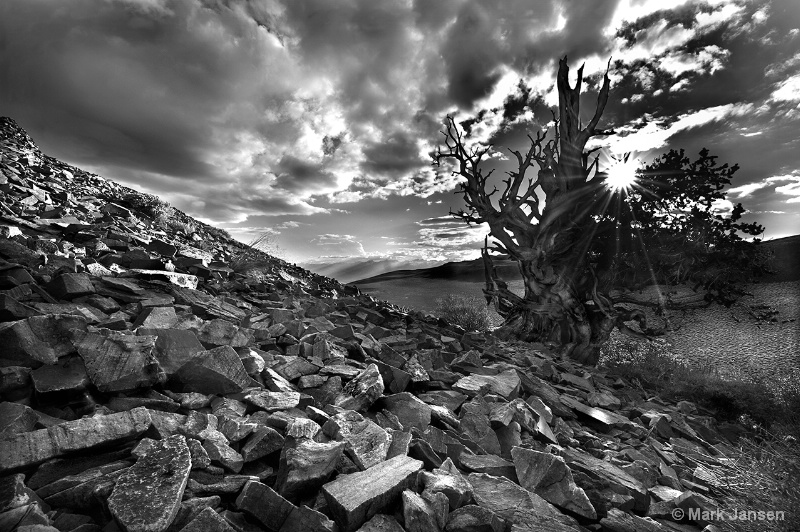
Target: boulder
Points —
{"points": [[410, 411], [71, 285], [38, 340], [367, 443], [216, 371], [305, 465], [548, 476], [117, 362], [263, 504], [147, 496], [356, 497], [362, 391]]}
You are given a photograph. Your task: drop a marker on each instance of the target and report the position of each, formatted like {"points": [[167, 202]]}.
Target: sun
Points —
{"points": [[621, 175]]}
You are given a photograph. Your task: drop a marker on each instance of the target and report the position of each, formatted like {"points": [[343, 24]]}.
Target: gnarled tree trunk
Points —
{"points": [[550, 240]]}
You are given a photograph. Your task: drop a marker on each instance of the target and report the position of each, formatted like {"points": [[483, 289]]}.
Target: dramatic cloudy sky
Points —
{"points": [[314, 118]]}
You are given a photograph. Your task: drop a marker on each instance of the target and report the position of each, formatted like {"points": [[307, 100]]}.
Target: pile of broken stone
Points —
{"points": [[201, 399]]}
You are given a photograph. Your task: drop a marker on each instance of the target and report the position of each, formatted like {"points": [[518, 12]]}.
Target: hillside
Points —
{"points": [[157, 375]]}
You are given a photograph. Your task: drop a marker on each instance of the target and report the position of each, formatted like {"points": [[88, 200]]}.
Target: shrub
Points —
{"points": [[156, 209], [256, 256], [761, 475], [470, 313]]}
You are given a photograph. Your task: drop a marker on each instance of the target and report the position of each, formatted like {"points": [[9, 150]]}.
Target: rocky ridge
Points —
{"points": [[146, 385]]}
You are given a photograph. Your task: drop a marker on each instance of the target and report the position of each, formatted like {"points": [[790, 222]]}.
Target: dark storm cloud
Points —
{"points": [[395, 155], [255, 108], [296, 175]]}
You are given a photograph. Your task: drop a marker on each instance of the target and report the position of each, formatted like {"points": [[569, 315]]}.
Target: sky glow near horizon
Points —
{"points": [[314, 119]]}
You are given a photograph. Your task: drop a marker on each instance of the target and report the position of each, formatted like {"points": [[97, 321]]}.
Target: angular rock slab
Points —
{"points": [[518, 506], [367, 443], [548, 476], [38, 340], [409, 410], [118, 362], [262, 503], [354, 498], [216, 371], [35, 447], [305, 465], [147, 496], [362, 391], [505, 384], [608, 474], [174, 347]]}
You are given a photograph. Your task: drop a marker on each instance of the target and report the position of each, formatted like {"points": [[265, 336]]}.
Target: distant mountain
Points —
{"points": [[471, 270], [348, 271], [786, 263]]}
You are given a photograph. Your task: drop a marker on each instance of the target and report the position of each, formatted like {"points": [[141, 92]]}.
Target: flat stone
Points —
{"points": [[208, 521], [305, 465], [303, 428], [182, 280], [16, 418], [489, 464], [118, 362], [147, 496], [475, 427], [362, 391], [418, 516], [14, 493], [223, 454], [304, 519], [174, 347], [156, 318], [449, 399], [63, 380], [381, 523], [216, 371], [518, 506], [274, 401], [14, 378], [548, 476], [35, 447], [265, 505], [71, 285], [409, 410], [448, 480], [619, 521], [505, 384], [474, 518], [222, 332], [79, 492], [609, 419], [262, 442], [354, 498], [608, 474], [367, 443], [38, 340]]}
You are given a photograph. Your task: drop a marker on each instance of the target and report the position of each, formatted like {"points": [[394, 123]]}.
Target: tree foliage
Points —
{"points": [[577, 240]]}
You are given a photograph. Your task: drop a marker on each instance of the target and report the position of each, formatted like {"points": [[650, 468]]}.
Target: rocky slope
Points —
{"points": [[212, 398]]}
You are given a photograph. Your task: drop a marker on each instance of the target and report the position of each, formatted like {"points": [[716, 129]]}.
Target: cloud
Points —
{"points": [[331, 245], [790, 189], [788, 90], [655, 133]]}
